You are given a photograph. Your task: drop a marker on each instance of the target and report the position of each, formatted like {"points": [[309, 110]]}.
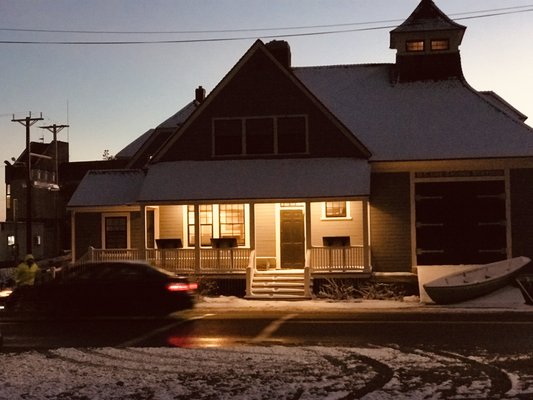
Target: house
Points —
{"points": [[285, 174]]}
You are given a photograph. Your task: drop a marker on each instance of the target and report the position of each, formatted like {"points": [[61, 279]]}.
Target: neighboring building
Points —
{"points": [[53, 179], [333, 171], [47, 204]]}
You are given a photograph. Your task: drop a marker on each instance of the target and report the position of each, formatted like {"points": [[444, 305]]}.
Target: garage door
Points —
{"points": [[460, 222]]}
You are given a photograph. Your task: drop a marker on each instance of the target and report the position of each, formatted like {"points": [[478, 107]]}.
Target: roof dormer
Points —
{"points": [[427, 45]]}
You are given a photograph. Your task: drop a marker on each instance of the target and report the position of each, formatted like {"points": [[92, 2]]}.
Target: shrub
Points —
{"points": [[347, 289]]}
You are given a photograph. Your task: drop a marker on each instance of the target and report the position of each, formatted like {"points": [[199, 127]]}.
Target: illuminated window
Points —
{"points": [[414, 45], [336, 209], [206, 225], [232, 222], [440, 45], [11, 240]]}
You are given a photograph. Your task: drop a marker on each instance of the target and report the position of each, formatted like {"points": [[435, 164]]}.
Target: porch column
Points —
{"points": [[308, 241], [143, 230], [366, 235], [197, 238], [252, 226]]}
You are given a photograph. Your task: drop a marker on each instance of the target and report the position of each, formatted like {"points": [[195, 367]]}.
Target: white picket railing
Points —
{"points": [[235, 260], [337, 259]]}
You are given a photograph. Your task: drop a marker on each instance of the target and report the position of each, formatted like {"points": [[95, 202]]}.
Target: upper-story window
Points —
{"points": [[260, 135], [440, 45], [414, 45]]}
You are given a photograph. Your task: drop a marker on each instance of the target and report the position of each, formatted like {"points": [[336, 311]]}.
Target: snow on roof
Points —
{"points": [[108, 188], [180, 117], [132, 148], [427, 120], [495, 99], [172, 122], [256, 179]]}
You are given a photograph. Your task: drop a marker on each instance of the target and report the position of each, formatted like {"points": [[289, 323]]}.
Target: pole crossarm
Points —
{"points": [[55, 129], [28, 122]]}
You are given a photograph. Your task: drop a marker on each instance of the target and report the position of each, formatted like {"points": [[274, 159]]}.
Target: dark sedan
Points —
{"points": [[106, 288]]}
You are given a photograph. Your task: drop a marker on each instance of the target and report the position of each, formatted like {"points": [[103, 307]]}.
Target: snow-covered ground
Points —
{"points": [[276, 372]]}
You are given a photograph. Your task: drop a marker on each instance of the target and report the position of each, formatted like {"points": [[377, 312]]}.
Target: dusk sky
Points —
{"points": [[110, 94]]}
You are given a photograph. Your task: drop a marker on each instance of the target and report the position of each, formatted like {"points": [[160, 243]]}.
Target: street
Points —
{"points": [[370, 354], [198, 328]]}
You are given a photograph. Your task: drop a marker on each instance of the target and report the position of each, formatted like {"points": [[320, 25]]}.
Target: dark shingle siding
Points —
{"points": [[390, 222], [522, 212], [88, 232]]}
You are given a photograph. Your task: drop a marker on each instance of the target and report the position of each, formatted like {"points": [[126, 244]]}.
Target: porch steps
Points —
{"points": [[278, 285]]}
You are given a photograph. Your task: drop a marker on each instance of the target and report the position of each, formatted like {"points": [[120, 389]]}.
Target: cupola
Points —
{"points": [[427, 45]]}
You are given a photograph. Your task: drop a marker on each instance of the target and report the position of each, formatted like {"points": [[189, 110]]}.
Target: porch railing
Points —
{"points": [[212, 261], [337, 259], [178, 260]]}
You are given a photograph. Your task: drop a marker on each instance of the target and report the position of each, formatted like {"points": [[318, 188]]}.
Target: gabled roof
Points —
{"points": [[180, 117], [108, 188], [427, 17], [159, 136], [420, 120], [502, 104], [132, 148], [257, 46], [182, 181], [137, 149]]}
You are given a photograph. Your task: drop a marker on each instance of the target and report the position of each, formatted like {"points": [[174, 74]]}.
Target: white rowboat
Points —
{"points": [[462, 286]]}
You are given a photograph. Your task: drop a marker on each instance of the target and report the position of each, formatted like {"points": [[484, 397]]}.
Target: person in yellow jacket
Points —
{"points": [[26, 271]]}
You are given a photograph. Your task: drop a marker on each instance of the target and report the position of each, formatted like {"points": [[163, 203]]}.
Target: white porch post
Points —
{"points": [[308, 241], [252, 226], [250, 269], [143, 230], [197, 239], [366, 235]]}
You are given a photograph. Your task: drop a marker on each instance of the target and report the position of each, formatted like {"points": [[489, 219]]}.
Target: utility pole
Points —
{"points": [[55, 129], [28, 122]]}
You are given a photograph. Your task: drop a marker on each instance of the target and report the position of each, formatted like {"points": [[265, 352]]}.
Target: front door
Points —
{"points": [[292, 238]]}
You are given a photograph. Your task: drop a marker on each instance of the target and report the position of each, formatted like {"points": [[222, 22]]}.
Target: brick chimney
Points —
{"points": [[281, 51], [199, 94]]}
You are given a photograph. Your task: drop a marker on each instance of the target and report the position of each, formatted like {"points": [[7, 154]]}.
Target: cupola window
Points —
{"points": [[414, 45], [440, 45]]}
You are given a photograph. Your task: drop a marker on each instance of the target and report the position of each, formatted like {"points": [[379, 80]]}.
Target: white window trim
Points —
{"points": [[275, 133], [128, 227], [348, 213], [216, 225]]}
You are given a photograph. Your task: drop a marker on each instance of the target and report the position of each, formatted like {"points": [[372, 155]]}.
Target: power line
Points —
{"points": [[492, 10], [237, 38]]}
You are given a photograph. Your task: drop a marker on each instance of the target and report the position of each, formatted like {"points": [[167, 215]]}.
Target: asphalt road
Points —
{"points": [[380, 354], [202, 328]]}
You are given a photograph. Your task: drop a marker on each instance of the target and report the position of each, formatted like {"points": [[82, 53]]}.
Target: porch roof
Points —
{"points": [[108, 188], [271, 179]]}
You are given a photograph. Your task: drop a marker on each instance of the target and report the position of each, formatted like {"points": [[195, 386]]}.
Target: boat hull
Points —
{"points": [[468, 285]]}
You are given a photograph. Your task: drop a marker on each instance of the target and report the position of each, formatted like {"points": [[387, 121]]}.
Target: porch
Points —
{"points": [[241, 263], [319, 260]]}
